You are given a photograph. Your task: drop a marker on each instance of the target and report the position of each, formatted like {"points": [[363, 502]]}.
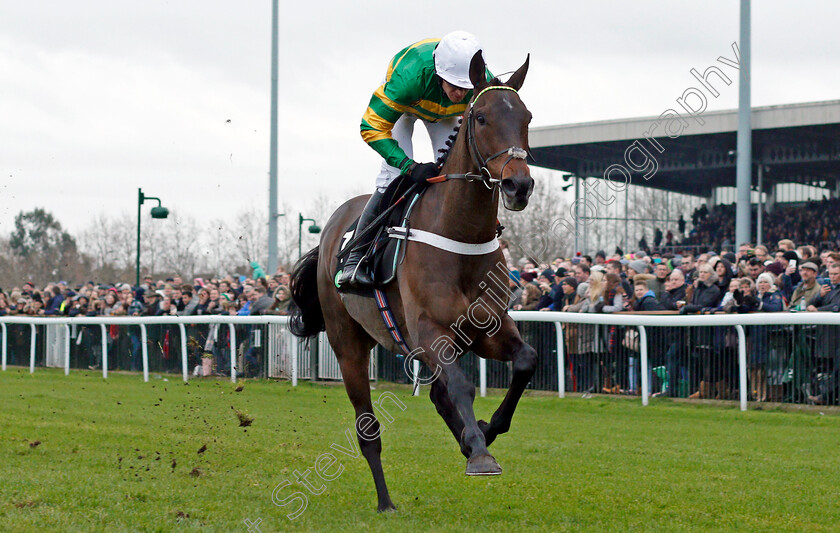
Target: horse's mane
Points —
{"points": [[444, 152]]}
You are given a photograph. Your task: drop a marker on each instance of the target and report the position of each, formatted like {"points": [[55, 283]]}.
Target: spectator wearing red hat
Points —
{"points": [[112, 305]]}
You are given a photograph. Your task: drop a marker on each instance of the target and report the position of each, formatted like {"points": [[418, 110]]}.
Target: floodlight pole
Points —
{"points": [[272, 173], [744, 143]]}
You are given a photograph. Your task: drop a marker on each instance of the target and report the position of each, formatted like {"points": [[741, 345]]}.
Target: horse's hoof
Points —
{"points": [[483, 465], [387, 508]]}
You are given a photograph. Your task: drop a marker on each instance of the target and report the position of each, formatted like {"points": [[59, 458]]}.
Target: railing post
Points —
{"points": [[184, 351], [644, 369], [145, 351], [232, 330], [416, 365], [67, 350], [293, 356], [104, 351], [742, 364], [561, 361], [32, 335], [482, 376], [5, 341]]}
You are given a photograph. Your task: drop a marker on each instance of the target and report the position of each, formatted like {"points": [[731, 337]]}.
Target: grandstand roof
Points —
{"points": [[797, 143]]}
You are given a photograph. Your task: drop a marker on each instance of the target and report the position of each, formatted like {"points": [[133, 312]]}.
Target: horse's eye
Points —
{"points": [[479, 118]]}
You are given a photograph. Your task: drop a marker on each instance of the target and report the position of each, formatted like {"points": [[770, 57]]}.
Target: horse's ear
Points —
{"points": [[477, 72], [518, 77]]}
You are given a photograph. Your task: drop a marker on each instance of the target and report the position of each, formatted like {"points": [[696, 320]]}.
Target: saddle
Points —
{"points": [[383, 253]]}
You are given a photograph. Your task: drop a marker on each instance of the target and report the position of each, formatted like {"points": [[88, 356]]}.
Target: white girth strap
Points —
{"points": [[439, 241]]}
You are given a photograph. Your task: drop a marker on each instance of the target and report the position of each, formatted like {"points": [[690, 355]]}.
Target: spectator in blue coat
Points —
{"points": [[769, 301], [54, 303]]}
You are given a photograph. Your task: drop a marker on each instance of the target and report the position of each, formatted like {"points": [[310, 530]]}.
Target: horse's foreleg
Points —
{"points": [[507, 345], [461, 393], [446, 409]]}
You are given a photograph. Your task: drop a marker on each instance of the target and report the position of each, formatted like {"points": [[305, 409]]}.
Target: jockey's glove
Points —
{"points": [[420, 172]]}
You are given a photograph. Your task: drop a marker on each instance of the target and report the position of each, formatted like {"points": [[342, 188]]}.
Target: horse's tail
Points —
{"points": [[307, 319]]}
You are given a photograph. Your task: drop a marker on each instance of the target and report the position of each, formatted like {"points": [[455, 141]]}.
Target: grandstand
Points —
{"points": [[796, 157]]}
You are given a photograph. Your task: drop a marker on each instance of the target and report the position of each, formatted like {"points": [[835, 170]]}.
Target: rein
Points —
{"points": [[485, 176]]}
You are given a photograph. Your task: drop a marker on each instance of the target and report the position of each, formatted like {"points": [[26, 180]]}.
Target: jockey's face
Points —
{"points": [[455, 94]]}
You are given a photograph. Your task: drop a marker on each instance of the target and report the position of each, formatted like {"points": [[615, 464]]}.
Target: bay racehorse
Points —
{"points": [[435, 294]]}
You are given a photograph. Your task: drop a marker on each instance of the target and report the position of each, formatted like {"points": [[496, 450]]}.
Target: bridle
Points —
{"points": [[514, 152]]}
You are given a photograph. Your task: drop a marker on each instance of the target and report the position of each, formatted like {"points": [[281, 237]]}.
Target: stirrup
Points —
{"points": [[358, 278]]}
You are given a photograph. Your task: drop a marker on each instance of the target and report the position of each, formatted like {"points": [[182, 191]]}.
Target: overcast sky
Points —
{"points": [[98, 98]]}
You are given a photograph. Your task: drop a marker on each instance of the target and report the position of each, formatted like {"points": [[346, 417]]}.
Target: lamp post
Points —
{"points": [[314, 228], [157, 212], [272, 172]]}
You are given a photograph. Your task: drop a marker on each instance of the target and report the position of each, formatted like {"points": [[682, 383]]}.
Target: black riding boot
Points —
{"points": [[351, 274]]}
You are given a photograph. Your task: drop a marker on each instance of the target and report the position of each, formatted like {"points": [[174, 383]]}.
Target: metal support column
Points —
{"points": [[744, 144], [577, 216], [626, 247], [272, 173], [759, 215], [585, 224]]}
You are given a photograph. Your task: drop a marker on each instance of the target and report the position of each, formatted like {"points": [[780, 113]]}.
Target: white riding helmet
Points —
{"points": [[453, 55]]}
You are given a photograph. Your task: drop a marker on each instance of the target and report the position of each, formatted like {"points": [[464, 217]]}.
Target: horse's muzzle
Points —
{"points": [[516, 190]]}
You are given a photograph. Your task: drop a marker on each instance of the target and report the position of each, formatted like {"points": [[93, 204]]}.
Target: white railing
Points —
{"points": [[738, 321], [640, 321], [180, 321]]}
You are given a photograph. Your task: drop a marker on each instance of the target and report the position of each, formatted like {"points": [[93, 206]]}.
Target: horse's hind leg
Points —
{"points": [[507, 345], [352, 347]]}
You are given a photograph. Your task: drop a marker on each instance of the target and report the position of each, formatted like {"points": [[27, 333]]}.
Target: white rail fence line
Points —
{"points": [[327, 358], [640, 321], [231, 321]]}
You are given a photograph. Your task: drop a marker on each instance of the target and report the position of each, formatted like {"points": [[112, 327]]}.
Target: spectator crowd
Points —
{"points": [[798, 364], [236, 296], [795, 364], [171, 296], [814, 222]]}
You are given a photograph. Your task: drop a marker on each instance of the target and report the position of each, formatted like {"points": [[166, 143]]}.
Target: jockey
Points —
{"points": [[430, 81]]}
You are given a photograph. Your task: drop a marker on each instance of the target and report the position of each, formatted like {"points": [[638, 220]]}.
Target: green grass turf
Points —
{"points": [[122, 455]]}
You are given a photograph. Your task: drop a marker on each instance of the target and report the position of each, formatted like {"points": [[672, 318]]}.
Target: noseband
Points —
{"points": [[514, 152]]}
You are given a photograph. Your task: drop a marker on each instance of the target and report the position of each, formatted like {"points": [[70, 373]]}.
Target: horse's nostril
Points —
{"points": [[509, 187]]}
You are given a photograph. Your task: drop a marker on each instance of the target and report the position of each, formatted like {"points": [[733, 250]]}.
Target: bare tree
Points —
{"points": [[216, 247], [538, 232], [320, 209], [180, 254], [152, 244], [98, 241], [230, 245]]}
